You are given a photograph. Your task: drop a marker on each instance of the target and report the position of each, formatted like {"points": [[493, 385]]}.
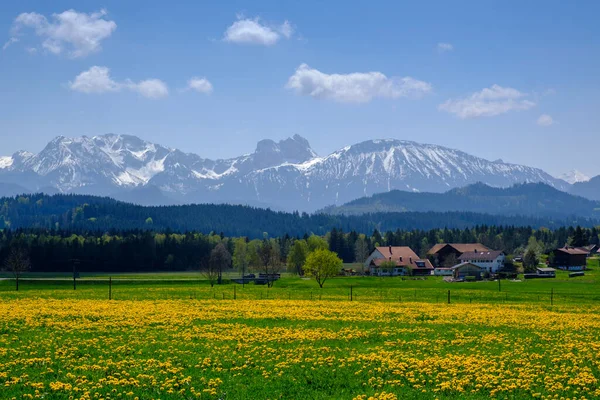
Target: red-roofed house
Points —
{"points": [[405, 262]]}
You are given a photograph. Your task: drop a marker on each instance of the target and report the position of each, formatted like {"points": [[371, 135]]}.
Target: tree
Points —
{"points": [[388, 265], [316, 242], [322, 264], [361, 249], [578, 239], [269, 259], [17, 263], [209, 271], [220, 259], [297, 255], [531, 260], [240, 255]]}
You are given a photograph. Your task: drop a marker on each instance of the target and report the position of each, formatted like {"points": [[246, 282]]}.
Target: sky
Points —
{"points": [[507, 80]]}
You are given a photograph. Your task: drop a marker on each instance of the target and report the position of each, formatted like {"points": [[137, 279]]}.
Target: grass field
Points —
{"points": [[171, 336]]}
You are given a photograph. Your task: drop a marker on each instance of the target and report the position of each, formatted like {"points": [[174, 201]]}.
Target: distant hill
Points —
{"points": [[589, 189], [92, 213], [531, 199]]}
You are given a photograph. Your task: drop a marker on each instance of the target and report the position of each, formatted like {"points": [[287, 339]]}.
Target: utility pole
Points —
{"points": [[75, 272]]}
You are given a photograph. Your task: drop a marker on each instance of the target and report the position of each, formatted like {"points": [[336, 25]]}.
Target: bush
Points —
{"points": [[470, 278]]}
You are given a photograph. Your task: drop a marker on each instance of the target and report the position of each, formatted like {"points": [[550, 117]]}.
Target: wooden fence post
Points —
{"points": [[110, 287]]}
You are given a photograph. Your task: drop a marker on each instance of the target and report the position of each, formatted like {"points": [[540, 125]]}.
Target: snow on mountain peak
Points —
{"points": [[287, 174], [6, 162], [574, 176]]}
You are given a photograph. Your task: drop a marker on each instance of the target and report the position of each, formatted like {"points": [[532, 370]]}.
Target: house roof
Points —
{"points": [[573, 251], [459, 247], [465, 264], [397, 251], [403, 256], [480, 256], [545, 269], [588, 249]]}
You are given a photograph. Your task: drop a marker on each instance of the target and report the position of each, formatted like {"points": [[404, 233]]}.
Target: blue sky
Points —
{"points": [[511, 80]]}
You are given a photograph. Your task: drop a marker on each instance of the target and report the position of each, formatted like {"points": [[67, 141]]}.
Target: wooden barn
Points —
{"points": [[569, 259]]}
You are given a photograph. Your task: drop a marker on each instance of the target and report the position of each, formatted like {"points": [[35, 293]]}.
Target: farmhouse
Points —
{"points": [[569, 259], [490, 261], [397, 260], [447, 254]]}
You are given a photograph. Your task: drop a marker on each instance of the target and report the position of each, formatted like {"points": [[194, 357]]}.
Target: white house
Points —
{"points": [[490, 261]]}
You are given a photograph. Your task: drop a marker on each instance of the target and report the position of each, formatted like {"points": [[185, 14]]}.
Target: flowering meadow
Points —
{"points": [[301, 349]]}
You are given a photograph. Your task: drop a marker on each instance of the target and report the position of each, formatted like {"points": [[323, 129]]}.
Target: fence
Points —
{"points": [[138, 289]]}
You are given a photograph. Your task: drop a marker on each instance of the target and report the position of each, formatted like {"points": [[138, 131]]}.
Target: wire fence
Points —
{"points": [[167, 289]]}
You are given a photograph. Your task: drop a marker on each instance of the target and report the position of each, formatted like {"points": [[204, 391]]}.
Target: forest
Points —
{"points": [[82, 213], [146, 250]]}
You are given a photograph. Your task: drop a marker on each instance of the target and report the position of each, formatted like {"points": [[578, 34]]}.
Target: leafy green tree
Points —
{"points": [[297, 255], [322, 264], [316, 242], [387, 265], [530, 260], [241, 255]]}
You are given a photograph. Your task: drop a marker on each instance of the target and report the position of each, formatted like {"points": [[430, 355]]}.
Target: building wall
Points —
{"points": [[398, 271], [444, 253], [492, 266], [572, 262], [467, 270]]}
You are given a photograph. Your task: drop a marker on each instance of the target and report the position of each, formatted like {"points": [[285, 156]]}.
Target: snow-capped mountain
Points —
{"points": [[286, 175], [574, 176]]}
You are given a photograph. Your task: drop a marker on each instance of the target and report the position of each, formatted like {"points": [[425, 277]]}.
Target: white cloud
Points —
{"points": [[151, 88], [201, 85], [444, 47], [252, 31], [9, 42], [97, 80], [79, 33], [488, 102], [357, 87], [545, 120]]}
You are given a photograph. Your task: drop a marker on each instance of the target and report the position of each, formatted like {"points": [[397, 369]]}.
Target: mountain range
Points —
{"points": [[285, 175]]}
